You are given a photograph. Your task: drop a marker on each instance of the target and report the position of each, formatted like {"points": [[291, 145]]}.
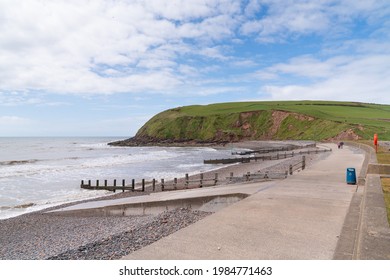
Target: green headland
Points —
{"points": [[272, 120]]}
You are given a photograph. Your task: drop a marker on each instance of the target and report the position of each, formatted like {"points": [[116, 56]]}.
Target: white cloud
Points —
{"points": [[13, 121], [214, 53], [109, 46], [14, 98], [184, 10], [244, 63], [101, 46], [285, 18], [116, 126], [308, 66], [253, 7], [214, 90], [188, 70], [363, 78]]}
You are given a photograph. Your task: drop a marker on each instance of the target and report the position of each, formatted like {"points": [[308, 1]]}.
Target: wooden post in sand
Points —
{"points": [[115, 185], [215, 178], [105, 185], [162, 185], [303, 162], [132, 184], [154, 184], [201, 180], [187, 181], [123, 188], [175, 183]]}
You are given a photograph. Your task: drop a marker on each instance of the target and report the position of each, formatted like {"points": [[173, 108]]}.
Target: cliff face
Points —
{"points": [[211, 128], [175, 127]]}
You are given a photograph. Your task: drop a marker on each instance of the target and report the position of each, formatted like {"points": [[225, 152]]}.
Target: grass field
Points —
{"points": [[332, 110], [375, 118]]}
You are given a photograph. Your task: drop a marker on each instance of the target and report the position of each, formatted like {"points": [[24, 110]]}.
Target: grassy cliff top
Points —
{"points": [[272, 120], [351, 112]]}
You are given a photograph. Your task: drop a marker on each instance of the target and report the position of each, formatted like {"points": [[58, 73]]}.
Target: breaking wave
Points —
{"points": [[18, 162]]}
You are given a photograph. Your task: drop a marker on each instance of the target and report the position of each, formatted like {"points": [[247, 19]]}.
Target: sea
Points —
{"points": [[37, 173]]}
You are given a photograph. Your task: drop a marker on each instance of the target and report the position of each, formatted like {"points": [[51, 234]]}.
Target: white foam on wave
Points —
{"points": [[29, 207], [102, 145], [127, 159], [189, 165], [76, 163], [166, 175], [21, 170]]}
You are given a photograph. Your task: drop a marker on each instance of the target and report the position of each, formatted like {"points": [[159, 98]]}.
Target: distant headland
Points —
{"points": [[222, 123]]}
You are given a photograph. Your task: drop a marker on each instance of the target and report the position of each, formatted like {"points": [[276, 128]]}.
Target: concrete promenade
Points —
{"points": [[301, 217], [313, 214]]}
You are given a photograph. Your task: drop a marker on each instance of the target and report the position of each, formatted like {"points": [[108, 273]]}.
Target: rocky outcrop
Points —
{"points": [[143, 141]]}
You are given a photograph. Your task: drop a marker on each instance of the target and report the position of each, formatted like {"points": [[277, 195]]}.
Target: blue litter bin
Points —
{"points": [[351, 176]]}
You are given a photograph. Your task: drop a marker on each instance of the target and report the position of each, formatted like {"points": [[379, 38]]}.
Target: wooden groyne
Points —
{"points": [[186, 183], [153, 184], [114, 187], [274, 150], [265, 157]]}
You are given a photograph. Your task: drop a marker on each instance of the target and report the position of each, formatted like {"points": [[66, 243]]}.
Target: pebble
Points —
{"points": [[45, 236], [119, 245]]}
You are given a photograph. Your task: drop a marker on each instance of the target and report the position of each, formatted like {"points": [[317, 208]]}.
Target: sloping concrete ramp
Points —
{"points": [[207, 203]]}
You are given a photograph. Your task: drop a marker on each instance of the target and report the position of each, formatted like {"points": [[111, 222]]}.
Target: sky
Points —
{"points": [[103, 68]]}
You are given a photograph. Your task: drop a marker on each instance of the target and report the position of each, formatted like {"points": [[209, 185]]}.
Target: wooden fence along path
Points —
{"points": [[268, 157], [301, 165], [174, 184], [273, 150]]}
